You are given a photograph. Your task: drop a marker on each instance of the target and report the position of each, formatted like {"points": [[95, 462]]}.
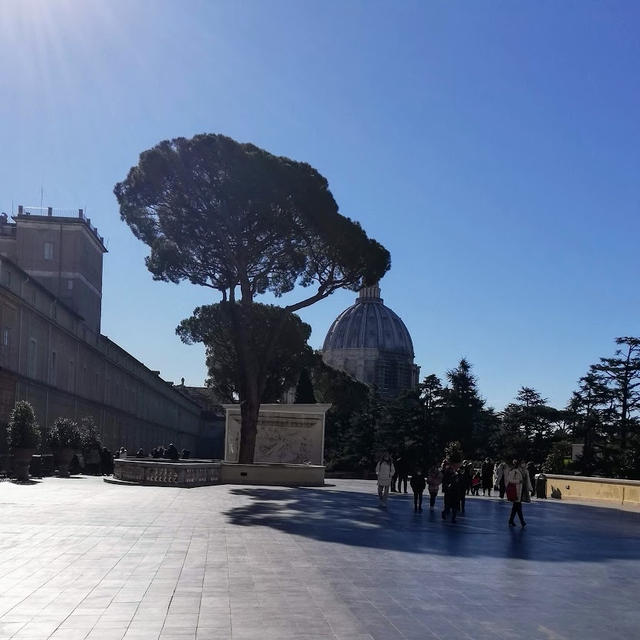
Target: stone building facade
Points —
{"points": [[370, 342], [52, 353]]}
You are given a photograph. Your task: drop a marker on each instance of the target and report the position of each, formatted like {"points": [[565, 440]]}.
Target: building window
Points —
{"points": [[69, 285], [7, 278], [53, 368], [48, 250], [6, 334], [72, 375], [32, 357]]}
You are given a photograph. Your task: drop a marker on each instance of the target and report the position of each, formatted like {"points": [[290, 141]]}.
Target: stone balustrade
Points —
{"points": [[593, 488], [167, 473], [200, 473]]}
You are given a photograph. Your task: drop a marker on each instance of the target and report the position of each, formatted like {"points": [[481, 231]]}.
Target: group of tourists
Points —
{"points": [[168, 453], [457, 480]]}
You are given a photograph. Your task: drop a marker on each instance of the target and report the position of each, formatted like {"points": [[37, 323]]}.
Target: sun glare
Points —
{"points": [[45, 42]]}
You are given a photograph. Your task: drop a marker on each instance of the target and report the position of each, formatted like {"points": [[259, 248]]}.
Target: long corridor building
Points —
{"points": [[52, 353]]}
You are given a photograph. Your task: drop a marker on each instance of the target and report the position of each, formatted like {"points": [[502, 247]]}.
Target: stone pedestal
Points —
{"points": [[287, 433]]}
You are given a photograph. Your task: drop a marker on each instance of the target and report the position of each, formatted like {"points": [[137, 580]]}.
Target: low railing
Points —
{"points": [[166, 473], [594, 488]]}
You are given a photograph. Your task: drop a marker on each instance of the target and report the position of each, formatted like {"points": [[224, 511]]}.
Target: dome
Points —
{"points": [[368, 324]]}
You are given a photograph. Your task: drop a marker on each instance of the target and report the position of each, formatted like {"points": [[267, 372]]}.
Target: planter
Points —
{"points": [[21, 462], [62, 459]]}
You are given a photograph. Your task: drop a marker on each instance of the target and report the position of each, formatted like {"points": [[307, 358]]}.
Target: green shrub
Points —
{"points": [[64, 434], [22, 430]]}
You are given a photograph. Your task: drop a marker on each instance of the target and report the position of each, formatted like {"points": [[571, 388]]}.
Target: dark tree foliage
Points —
{"points": [[589, 415], [556, 459], [530, 426], [485, 442], [243, 222], [350, 422], [431, 394], [401, 429], [604, 414], [621, 375], [462, 405], [304, 389], [280, 362]]}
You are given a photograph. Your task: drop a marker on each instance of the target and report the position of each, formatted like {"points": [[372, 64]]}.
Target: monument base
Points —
{"points": [[275, 474]]}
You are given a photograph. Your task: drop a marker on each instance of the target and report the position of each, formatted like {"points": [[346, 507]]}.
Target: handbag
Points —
{"points": [[512, 492]]}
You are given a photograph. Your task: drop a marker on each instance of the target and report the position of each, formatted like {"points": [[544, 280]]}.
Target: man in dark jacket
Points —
{"points": [[450, 490], [418, 483], [487, 476]]}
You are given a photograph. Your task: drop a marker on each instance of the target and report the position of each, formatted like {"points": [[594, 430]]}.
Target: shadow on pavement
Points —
{"points": [[555, 531]]}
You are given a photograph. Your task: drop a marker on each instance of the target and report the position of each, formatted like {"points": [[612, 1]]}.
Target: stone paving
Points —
{"points": [[85, 560]]}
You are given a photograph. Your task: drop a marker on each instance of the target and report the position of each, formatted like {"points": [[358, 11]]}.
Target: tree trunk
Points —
{"points": [[249, 410], [249, 388], [252, 388]]}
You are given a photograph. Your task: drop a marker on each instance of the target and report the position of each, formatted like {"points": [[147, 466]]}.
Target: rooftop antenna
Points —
{"points": [[41, 197]]}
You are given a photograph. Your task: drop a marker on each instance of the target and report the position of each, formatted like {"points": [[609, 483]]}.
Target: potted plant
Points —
{"points": [[23, 438], [63, 439]]}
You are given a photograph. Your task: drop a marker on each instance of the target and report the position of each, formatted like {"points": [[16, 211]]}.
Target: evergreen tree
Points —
{"points": [[462, 405], [621, 374], [605, 413], [350, 422], [432, 437], [529, 425], [587, 419], [243, 222], [304, 389]]}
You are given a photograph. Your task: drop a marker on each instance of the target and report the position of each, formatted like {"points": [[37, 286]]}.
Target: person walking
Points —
{"points": [[450, 488], [434, 480], [500, 473], [418, 483], [531, 470], [401, 473], [384, 471], [462, 476], [486, 471], [518, 488], [467, 473]]}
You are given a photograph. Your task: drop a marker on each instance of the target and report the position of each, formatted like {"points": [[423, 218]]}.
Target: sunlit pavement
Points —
{"points": [[82, 559]]}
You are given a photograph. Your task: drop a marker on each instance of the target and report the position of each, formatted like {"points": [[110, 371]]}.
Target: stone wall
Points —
{"points": [[588, 488]]}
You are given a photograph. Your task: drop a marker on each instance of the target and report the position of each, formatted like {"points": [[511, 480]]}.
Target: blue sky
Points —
{"points": [[492, 147]]}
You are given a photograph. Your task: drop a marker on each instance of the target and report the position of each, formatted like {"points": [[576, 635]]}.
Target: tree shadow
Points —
{"points": [[555, 531]]}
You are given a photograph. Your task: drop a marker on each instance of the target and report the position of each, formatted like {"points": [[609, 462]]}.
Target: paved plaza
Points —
{"points": [[83, 559]]}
